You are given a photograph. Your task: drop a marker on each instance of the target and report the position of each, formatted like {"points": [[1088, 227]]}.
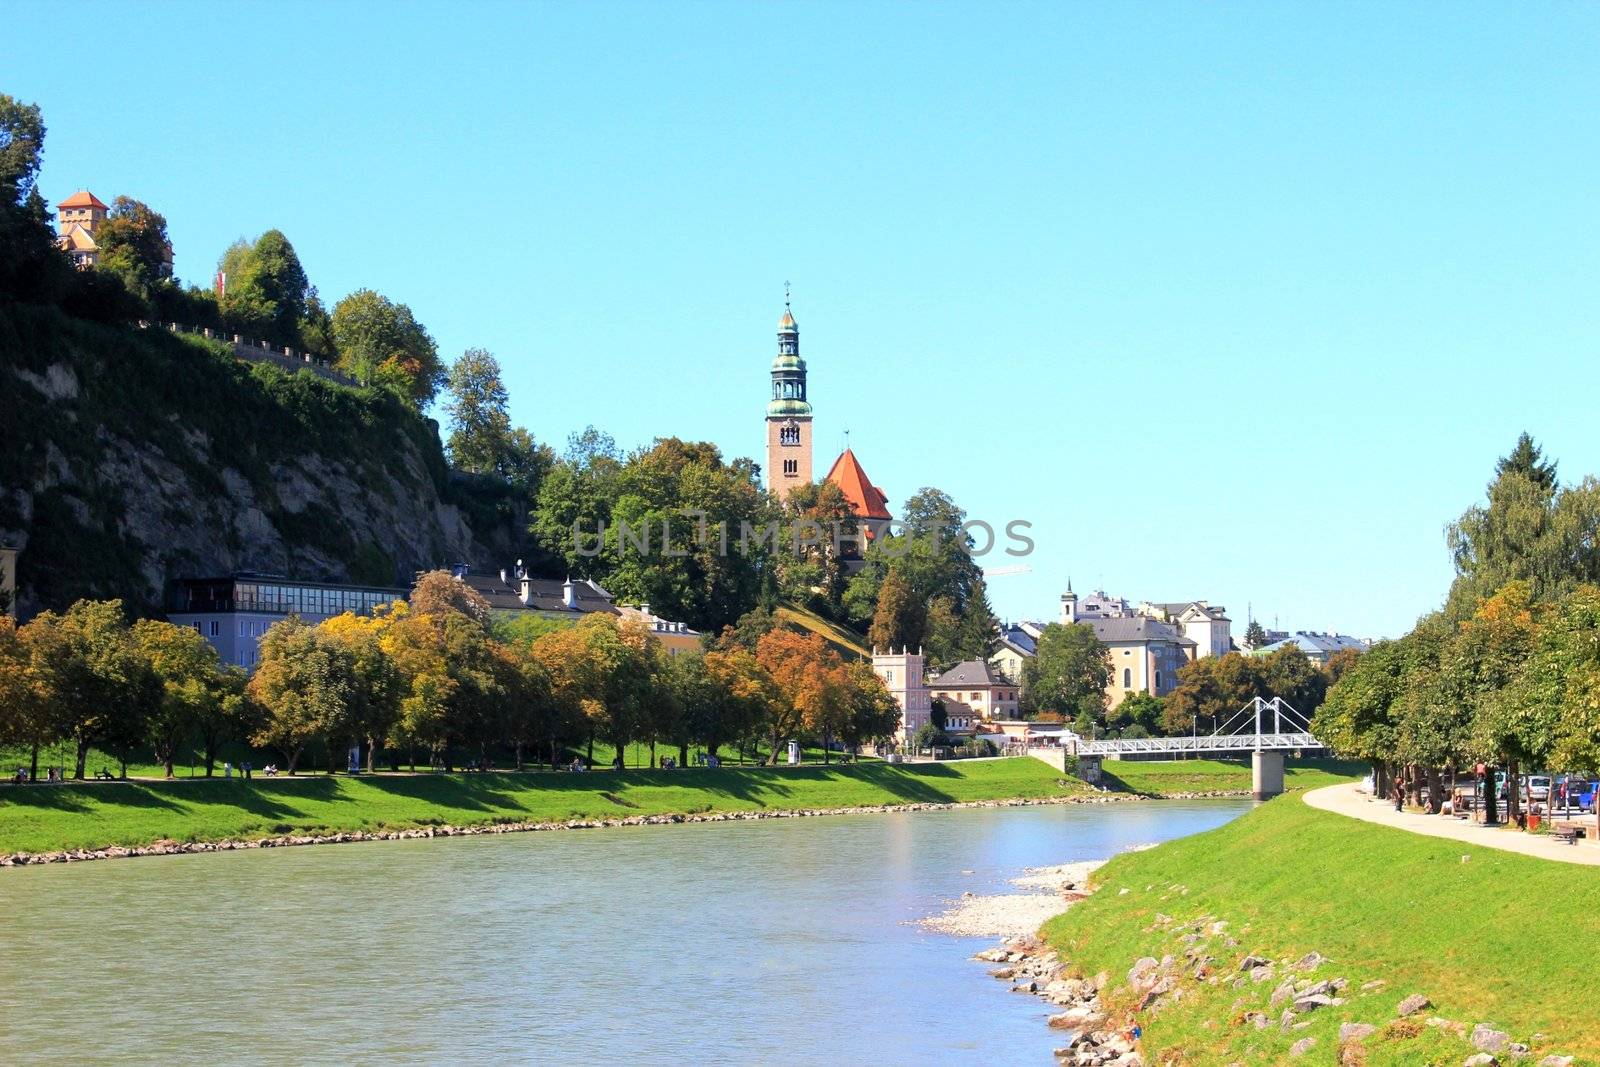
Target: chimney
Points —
{"points": [[644, 609], [569, 594], [524, 588]]}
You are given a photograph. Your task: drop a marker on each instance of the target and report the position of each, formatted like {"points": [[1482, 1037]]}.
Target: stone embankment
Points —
{"points": [[1101, 1019], [174, 848]]}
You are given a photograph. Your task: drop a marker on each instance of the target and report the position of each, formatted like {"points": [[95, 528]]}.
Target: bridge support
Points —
{"points": [[1266, 774], [1089, 769]]}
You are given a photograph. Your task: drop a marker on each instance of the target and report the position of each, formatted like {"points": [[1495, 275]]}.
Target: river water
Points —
{"points": [[781, 941]]}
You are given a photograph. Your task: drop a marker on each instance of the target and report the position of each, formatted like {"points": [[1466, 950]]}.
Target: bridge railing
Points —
{"points": [[1214, 743]]}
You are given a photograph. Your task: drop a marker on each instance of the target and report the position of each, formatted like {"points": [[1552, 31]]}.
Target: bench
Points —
{"points": [[1567, 835]]}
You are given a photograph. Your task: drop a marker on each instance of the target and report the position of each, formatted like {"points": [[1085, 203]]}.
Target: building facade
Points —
{"points": [[902, 674], [974, 692], [1145, 655], [1015, 649], [1207, 625], [233, 612], [77, 219]]}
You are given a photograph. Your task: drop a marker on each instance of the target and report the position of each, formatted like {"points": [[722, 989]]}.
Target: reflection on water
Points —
{"points": [[779, 941]]}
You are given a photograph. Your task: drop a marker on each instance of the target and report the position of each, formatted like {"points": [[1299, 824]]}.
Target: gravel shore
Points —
{"points": [[1051, 890]]}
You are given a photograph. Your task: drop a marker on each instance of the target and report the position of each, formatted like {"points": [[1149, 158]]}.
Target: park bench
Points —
{"points": [[1567, 835]]}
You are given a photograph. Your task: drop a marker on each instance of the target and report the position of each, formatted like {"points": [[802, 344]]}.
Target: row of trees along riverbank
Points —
{"points": [[432, 677], [1507, 673]]}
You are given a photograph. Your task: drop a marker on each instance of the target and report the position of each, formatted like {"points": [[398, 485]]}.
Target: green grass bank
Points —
{"points": [[90, 815], [1500, 939]]}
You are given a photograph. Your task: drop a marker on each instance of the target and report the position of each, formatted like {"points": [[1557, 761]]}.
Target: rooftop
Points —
{"points": [[1134, 629], [966, 675], [866, 500], [83, 198]]}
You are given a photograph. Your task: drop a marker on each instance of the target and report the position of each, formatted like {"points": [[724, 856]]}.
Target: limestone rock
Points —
{"points": [[1303, 1046], [1487, 1039], [1556, 1061], [1355, 1031], [1310, 961], [1411, 1005], [1479, 1059]]}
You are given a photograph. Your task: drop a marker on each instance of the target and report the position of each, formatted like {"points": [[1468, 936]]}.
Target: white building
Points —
{"points": [[1207, 625]]}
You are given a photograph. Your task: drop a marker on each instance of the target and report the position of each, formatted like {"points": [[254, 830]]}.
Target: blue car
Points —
{"points": [[1580, 791]]}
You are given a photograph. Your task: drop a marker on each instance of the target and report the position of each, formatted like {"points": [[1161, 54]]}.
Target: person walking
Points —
{"points": [[1399, 793]]}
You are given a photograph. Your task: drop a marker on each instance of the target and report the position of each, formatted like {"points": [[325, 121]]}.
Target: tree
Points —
{"points": [[31, 266], [381, 343], [901, 619], [927, 736], [1069, 672], [304, 683], [133, 243], [736, 701], [873, 714], [97, 686], [232, 715], [1138, 715], [24, 710], [266, 292], [440, 592], [480, 422], [373, 705], [453, 683], [1255, 636], [530, 715], [187, 666], [804, 684]]}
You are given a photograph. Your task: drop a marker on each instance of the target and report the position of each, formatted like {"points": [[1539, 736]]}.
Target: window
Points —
{"points": [[1127, 678], [216, 627], [196, 626], [1158, 679], [791, 466]]}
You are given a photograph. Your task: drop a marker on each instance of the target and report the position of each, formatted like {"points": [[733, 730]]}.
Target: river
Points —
{"points": [[779, 941]]}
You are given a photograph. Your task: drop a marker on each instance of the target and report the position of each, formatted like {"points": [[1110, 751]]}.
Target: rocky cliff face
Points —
{"points": [[131, 458]]}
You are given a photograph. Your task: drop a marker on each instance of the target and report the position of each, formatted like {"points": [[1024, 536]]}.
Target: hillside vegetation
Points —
{"points": [[129, 457], [1487, 936]]}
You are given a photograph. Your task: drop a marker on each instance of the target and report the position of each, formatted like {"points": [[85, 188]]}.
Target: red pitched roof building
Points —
{"points": [[866, 500]]}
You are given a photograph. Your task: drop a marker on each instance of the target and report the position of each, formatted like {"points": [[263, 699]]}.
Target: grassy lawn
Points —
{"points": [[1205, 775], [46, 818], [1501, 939], [189, 765]]}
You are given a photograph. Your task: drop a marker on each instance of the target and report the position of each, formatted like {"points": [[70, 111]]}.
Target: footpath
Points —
{"points": [[1346, 799]]}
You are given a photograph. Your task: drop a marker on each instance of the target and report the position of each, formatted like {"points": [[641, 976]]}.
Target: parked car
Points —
{"points": [[1536, 787]]}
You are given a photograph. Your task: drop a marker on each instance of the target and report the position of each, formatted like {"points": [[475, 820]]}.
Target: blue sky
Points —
{"points": [[1234, 301]]}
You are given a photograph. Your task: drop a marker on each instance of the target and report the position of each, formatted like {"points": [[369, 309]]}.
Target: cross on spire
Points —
{"points": [[786, 295]]}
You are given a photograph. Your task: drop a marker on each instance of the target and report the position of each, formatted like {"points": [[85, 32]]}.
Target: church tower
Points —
{"points": [[788, 413]]}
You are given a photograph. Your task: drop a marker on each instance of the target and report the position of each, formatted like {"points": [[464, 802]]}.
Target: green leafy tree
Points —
{"points": [[97, 685], [304, 683], [31, 267], [133, 243], [267, 292], [1255, 635], [381, 343], [187, 666], [901, 619], [1069, 672]]}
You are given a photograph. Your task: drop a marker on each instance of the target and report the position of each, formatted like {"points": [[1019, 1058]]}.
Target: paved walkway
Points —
{"points": [[1348, 800]]}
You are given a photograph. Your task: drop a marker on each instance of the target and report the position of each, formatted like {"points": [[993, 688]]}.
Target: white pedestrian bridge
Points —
{"points": [[1264, 728]]}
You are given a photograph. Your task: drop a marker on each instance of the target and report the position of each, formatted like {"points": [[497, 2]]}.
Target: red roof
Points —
{"points": [[82, 198], [867, 501]]}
